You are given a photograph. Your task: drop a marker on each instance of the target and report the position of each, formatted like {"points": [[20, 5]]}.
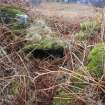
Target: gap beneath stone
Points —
{"points": [[51, 53]]}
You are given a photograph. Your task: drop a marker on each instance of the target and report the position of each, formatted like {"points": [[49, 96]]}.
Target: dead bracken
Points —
{"points": [[51, 54]]}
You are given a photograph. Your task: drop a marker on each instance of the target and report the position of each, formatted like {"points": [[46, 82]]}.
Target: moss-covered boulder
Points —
{"points": [[41, 42], [96, 59], [47, 46], [11, 10], [10, 15], [89, 29]]}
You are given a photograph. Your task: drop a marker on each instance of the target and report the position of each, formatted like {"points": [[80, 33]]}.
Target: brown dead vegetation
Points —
{"points": [[44, 75]]}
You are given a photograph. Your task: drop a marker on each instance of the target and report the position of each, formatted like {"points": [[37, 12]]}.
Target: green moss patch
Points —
{"points": [[96, 59], [45, 43]]}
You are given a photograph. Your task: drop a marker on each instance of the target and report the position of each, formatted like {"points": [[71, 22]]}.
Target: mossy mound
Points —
{"points": [[89, 29], [45, 47], [96, 59], [45, 43]]}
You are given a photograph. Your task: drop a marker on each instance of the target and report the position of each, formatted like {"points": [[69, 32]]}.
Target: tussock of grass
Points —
{"points": [[88, 29]]}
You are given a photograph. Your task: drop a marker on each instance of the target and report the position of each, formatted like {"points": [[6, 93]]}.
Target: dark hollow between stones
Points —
{"points": [[51, 53]]}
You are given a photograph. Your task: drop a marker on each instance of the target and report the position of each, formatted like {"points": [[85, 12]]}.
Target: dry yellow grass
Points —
{"points": [[74, 12]]}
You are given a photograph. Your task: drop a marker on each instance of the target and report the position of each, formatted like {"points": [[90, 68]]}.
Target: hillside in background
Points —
{"points": [[98, 3]]}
